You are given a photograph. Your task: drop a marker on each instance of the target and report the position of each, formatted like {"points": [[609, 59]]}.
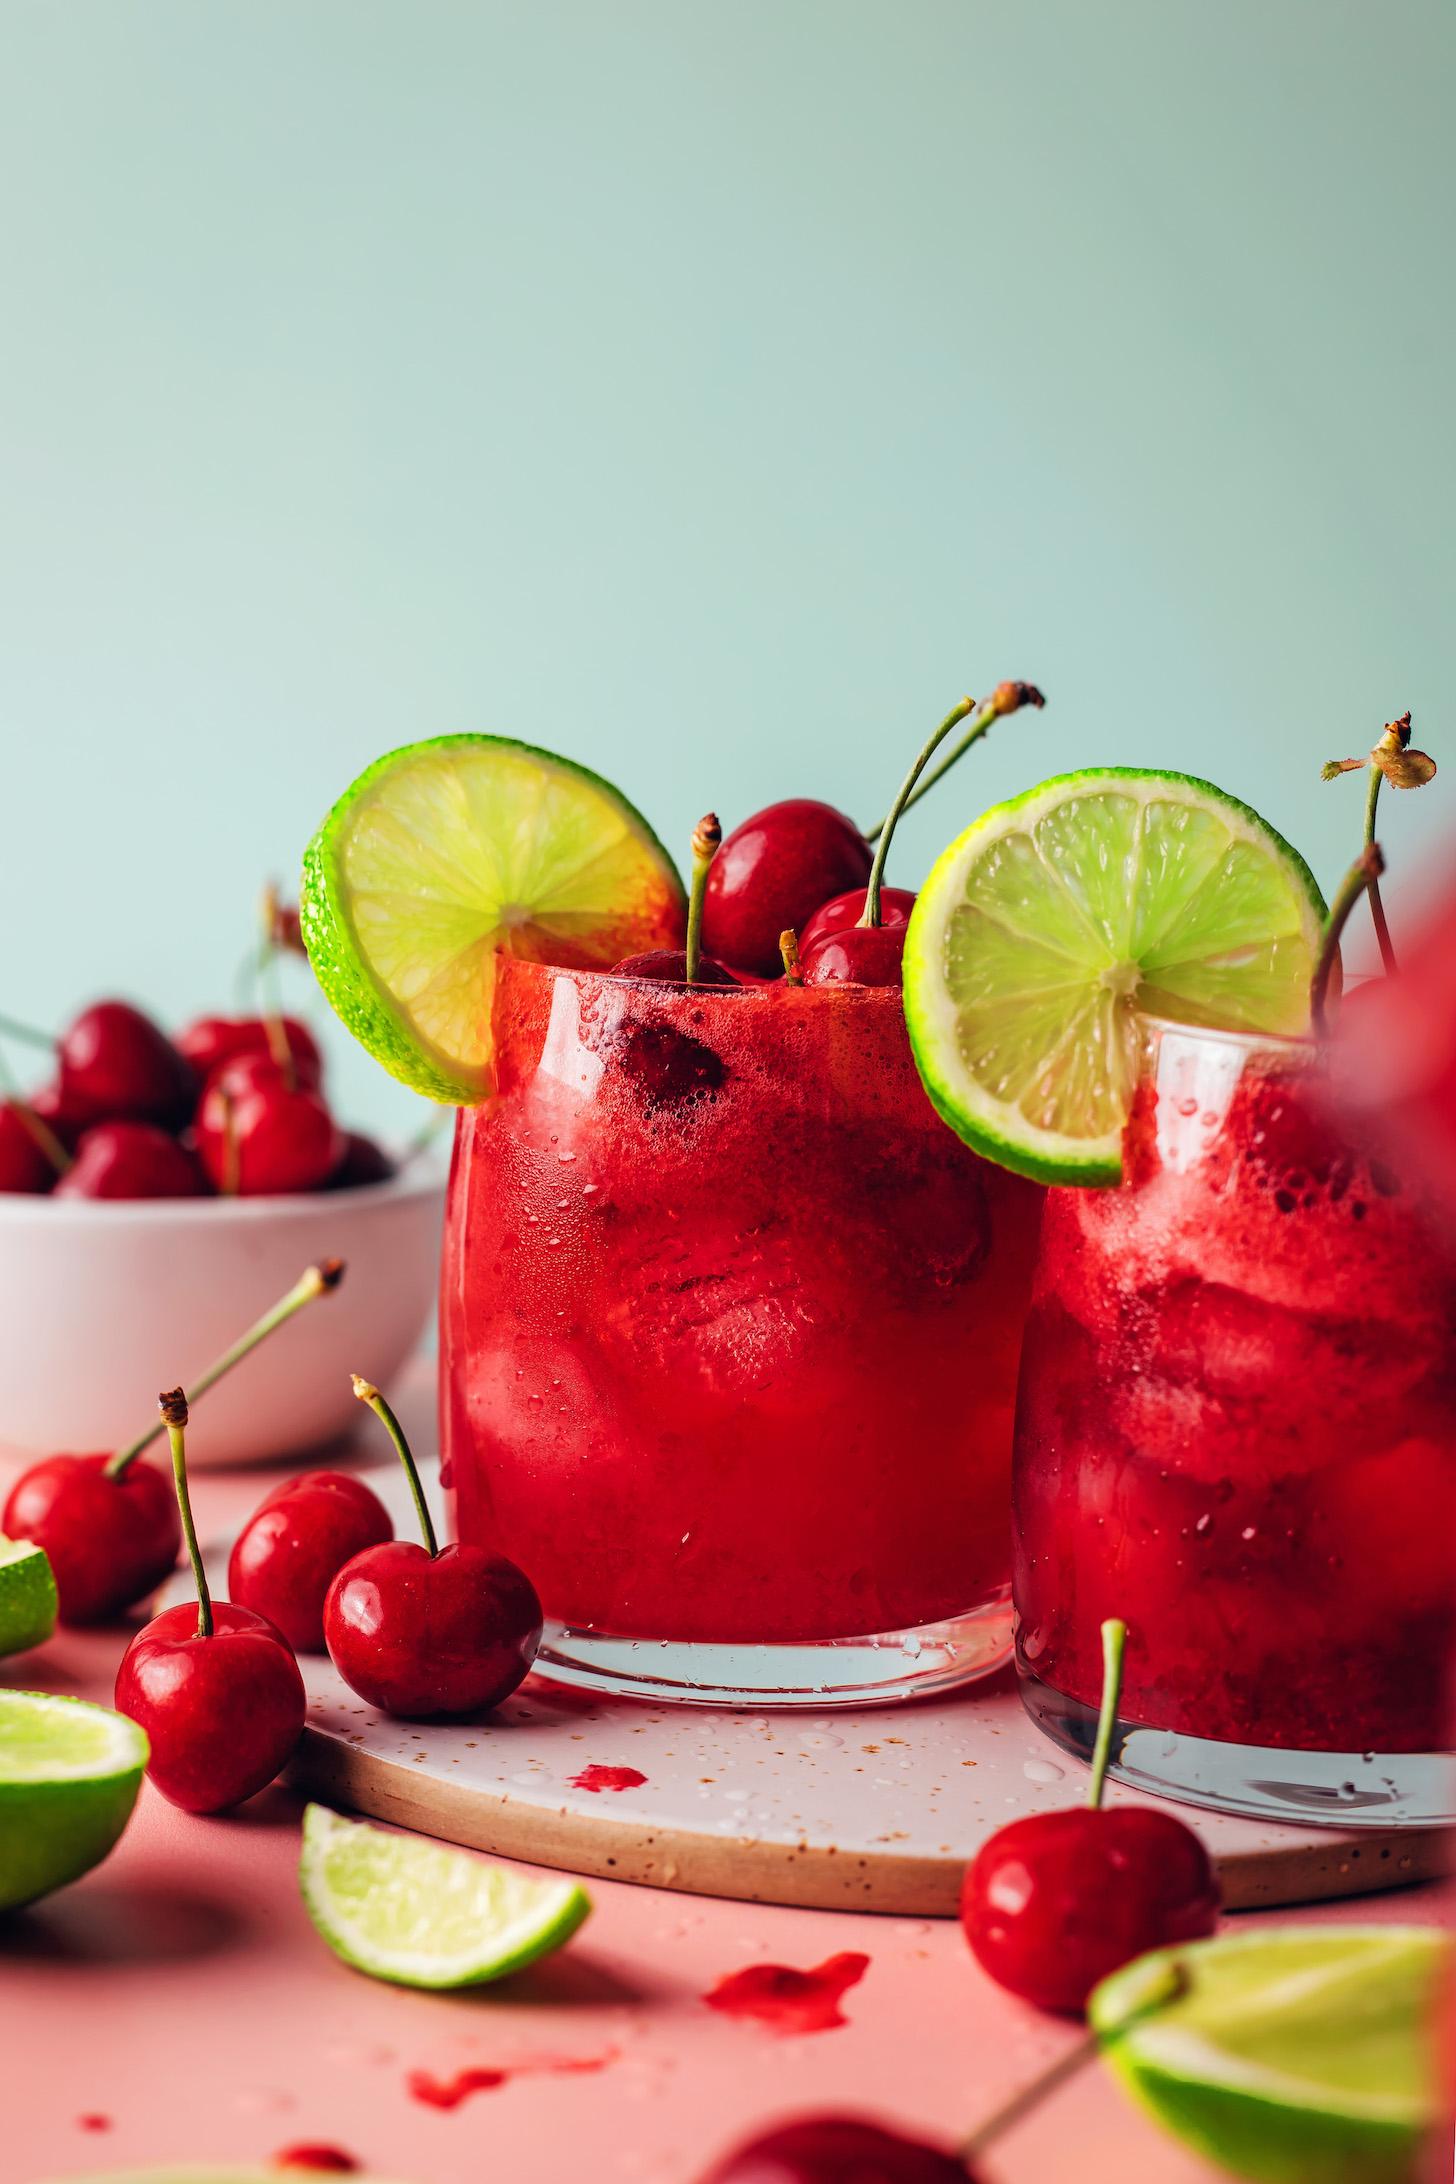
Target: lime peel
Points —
{"points": [[28, 1597], [69, 1776]]}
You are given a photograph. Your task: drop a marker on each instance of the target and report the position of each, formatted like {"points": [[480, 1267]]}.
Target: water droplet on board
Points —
{"points": [[1043, 1770]]}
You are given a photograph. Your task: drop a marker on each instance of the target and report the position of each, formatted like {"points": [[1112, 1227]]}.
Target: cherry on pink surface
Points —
{"points": [[773, 872], [788, 2000], [222, 1711], [261, 1136], [842, 911], [294, 1545], [131, 1160], [117, 1065], [837, 2150], [110, 1541], [608, 1778]]}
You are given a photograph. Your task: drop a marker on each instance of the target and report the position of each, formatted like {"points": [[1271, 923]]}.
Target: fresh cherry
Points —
{"points": [[23, 1165], [111, 1535], [117, 1065], [1053, 1903], [865, 955], [109, 1523], [49, 1102], [843, 911], [773, 871], [363, 1162], [294, 1545], [212, 1041], [838, 2150], [257, 1134], [131, 1160], [216, 1690], [425, 1630]]}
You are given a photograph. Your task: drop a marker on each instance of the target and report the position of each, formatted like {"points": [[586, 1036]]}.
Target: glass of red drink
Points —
{"points": [[1237, 1430], [730, 1331]]}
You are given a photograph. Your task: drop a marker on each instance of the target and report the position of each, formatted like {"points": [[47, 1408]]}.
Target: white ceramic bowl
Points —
{"points": [[104, 1303]]}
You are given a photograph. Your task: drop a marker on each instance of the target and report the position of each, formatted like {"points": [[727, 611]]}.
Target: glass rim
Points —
{"points": [[841, 994], [1266, 1042]]}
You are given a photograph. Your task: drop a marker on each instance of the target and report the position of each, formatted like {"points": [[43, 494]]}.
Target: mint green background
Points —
{"points": [[712, 393]]}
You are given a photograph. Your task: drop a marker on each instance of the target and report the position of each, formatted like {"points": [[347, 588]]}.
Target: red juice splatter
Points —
{"points": [[608, 1778], [787, 2000], [315, 2155], [446, 2093], [93, 2123]]}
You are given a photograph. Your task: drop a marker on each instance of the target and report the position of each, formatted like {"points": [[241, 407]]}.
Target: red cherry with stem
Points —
{"points": [[869, 953], [109, 1523], [131, 1160], [425, 1630], [687, 966], [216, 1690], [117, 1065], [842, 911], [259, 1135], [834, 2149], [363, 1161], [295, 1544], [773, 871], [1052, 1904], [212, 1041]]}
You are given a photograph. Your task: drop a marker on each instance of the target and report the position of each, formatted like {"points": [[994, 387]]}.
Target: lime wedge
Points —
{"points": [[404, 1909], [1050, 925], [27, 1595], [1292, 2052], [444, 852], [69, 1776]]}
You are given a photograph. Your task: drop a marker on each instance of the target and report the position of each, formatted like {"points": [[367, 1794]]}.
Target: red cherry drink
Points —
{"points": [[1237, 1429], [730, 1331]]}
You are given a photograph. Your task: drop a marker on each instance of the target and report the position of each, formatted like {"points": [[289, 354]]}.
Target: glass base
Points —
{"points": [[1258, 1781], [882, 1670]]}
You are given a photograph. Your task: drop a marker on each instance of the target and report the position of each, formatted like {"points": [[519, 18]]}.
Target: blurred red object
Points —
{"points": [[1394, 1058]]}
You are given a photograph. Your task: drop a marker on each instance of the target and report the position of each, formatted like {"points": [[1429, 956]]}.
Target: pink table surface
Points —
{"points": [[176, 2004]]}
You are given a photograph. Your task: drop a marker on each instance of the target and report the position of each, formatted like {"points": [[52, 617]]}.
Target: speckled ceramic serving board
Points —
{"points": [[877, 1810]]}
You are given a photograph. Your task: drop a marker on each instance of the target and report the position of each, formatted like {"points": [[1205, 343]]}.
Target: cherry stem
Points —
{"points": [[1114, 1642], [1169, 1981], [789, 950], [318, 1281], [173, 1407], [1368, 866], [36, 1127], [27, 1033], [707, 834], [886, 828], [1377, 907], [1007, 697], [273, 1025], [368, 1393]]}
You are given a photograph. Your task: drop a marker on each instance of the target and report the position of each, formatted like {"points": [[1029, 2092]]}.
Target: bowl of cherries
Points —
{"points": [[156, 1193]]}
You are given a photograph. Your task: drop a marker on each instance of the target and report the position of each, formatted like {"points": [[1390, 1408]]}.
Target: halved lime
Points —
{"points": [[69, 1776], [408, 1910], [1292, 2052], [27, 1595], [443, 853], [1054, 922]]}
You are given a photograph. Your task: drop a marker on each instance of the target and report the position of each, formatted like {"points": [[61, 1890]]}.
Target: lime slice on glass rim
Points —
{"points": [[28, 1600], [411, 1911], [69, 1776], [1290, 2053], [1050, 926], [444, 852]]}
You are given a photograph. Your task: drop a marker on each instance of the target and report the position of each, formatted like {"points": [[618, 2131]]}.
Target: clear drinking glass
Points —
{"points": [[730, 1330], [1237, 1429]]}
